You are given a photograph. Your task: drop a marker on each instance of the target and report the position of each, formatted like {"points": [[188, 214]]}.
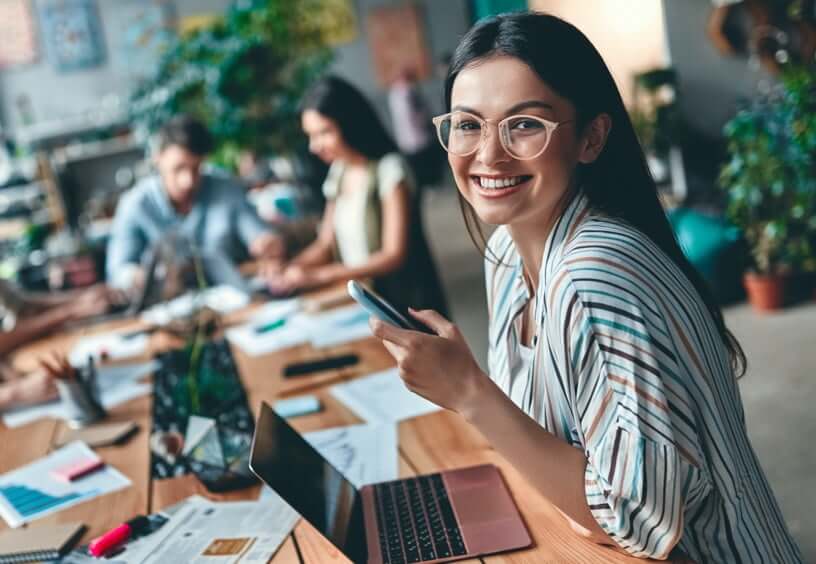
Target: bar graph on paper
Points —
{"points": [[30, 501], [31, 492]]}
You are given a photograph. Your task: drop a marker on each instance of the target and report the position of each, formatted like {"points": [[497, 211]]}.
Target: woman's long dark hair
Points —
{"points": [[359, 124], [618, 183]]}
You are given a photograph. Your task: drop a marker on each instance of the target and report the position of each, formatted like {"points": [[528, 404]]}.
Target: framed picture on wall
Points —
{"points": [[19, 44], [72, 33], [397, 43]]}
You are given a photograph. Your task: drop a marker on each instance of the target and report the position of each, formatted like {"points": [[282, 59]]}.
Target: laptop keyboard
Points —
{"points": [[416, 521]]}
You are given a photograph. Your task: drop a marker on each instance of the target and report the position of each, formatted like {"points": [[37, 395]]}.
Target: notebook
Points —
{"points": [[35, 544]]}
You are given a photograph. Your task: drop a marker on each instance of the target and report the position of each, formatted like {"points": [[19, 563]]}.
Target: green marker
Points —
{"points": [[271, 326]]}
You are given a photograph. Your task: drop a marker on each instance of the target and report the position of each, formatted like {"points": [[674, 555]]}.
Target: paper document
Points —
{"points": [[382, 398], [202, 532], [365, 454], [282, 325], [31, 492], [113, 346], [271, 328], [117, 384], [222, 299], [338, 326]]}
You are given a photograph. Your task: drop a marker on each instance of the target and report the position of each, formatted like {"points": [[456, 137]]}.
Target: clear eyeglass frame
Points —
{"points": [[503, 127]]}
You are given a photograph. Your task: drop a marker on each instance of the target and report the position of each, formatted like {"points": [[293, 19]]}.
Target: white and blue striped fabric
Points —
{"points": [[629, 367]]}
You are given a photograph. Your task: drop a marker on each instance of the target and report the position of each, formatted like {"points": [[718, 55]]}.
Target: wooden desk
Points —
{"points": [[426, 444]]}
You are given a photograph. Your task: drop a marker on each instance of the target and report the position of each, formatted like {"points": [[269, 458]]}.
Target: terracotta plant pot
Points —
{"points": [[766, 292]]}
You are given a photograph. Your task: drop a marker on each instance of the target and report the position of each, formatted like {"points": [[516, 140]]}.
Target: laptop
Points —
{"points": [[431, 518], [146, 295]]}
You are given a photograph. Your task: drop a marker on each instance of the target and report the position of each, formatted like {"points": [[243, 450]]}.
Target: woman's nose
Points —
{"points": [[491, 150]]}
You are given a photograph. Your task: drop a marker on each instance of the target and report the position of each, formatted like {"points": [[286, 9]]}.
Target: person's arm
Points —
{"points": [[39, 301], [394, 249], [260, 239], [321, 250], [36, 386], [556, 470], [126, 245], [29, 328], [635, 475]]}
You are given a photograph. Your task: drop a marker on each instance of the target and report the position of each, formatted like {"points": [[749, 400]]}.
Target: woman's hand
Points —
{"points": [[268, 246], [440, 367], [39, 386], [296, 277], [93, 301], [35, 387]]}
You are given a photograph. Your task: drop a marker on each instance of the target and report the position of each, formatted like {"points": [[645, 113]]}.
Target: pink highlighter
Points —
{"points": [[117, 536], [76, 470]]}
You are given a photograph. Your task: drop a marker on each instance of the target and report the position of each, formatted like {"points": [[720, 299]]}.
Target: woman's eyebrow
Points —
{"points": [[466, 109], [514, 109], [529, 104]]}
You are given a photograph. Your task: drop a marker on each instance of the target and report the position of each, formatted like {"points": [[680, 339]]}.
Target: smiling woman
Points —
{"points": [[612, 377]]}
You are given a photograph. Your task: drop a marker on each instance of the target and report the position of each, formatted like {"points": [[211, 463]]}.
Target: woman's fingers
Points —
{"points": [[48, 366], [57, 366], [435, 321], [396, 351], [388, 332]]}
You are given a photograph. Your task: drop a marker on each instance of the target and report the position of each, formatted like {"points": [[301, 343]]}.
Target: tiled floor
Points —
{"points": [[779, 390]]}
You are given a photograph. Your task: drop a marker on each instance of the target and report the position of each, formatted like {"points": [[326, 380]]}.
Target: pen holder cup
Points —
{"points": [[81, 402]]}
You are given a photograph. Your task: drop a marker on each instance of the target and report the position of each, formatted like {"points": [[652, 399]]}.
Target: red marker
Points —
{"points": [[117, 536]]}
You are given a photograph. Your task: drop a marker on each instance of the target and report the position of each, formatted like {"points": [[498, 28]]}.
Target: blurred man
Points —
{"points": [[210, 211]]}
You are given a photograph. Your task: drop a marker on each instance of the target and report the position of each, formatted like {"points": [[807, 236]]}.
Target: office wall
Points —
{"points": [[445, 23], [711, 85], [635, 35], [629, 35], [56, 95]]}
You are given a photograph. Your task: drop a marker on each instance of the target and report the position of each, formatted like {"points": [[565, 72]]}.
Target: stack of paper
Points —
{"points": [[382, 398], [110, 346], [271, 328], [249, 532], [117, 384], [31, 491], [337, 326], [222, 299], [281, 325]]}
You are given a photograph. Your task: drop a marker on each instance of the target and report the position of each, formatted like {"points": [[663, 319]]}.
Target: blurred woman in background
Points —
{"points": [[371, 226]]}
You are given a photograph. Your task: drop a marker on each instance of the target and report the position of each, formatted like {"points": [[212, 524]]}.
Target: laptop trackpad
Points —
{"points": [[480, 505]]}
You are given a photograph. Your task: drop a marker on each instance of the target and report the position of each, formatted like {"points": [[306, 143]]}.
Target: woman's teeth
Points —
{"points": [[498, 183]]}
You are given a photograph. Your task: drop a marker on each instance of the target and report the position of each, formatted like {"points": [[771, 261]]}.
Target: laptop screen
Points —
{"points": [[312, 486]]}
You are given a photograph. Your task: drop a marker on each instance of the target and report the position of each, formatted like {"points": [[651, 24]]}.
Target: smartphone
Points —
{"points": [[332, 362], [381, 309]]}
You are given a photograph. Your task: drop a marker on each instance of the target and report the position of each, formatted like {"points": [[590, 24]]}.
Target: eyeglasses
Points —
{"points": [[523, 137]]}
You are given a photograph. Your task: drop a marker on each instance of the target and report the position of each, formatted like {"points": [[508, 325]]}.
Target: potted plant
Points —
{"points": [[770, 184], [243, 75]]}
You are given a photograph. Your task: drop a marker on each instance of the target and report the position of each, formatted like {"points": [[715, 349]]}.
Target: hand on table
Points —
{"points": [[268, 246], [90, 302], [295, 277], [40, 385]]}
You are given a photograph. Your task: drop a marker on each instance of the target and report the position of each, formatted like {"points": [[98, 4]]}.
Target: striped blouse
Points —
{"points": [[629, 367]]}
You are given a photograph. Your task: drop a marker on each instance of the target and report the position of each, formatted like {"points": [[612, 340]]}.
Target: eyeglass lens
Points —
{"points": [[522, 137]]}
